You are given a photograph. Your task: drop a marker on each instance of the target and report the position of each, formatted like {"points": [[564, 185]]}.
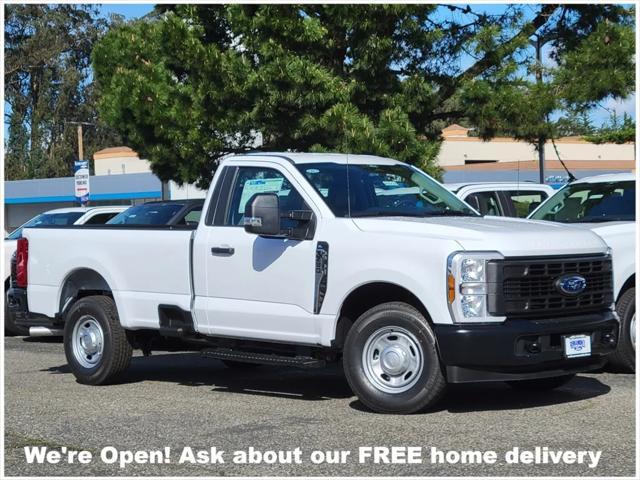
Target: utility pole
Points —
{"points": [[80, 133], [80, 145], [541, 141]]}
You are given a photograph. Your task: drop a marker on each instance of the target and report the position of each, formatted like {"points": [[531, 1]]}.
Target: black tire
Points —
{"points": [[117, 350], [624, 358], [430, 384], [240, 365], [541, 384]]}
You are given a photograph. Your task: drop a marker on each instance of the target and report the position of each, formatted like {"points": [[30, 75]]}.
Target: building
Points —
{"points": [[467, 158]]}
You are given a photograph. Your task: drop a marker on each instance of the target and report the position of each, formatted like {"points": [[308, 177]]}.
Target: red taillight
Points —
{"points": [[22, 257]]}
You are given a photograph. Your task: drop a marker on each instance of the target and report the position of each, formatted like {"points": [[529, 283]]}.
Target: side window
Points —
{"points": [[252, 180], [524, 202], [487, 203], [193, 217], [100, 218]]}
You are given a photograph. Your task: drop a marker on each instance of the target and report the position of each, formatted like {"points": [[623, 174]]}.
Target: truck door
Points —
{"points": [[255, 287]]}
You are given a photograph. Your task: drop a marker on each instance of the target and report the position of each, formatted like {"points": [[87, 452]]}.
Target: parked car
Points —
{"points": [[166, 212], [606, 205], [502, 199], [60, 216], [302, 259]]}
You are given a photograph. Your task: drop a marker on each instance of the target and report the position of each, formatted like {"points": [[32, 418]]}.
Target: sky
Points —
{"points": [[598, 115]]}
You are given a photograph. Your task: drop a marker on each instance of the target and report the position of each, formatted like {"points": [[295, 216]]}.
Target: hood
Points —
{"points": [[509, 236], [606, 229]]}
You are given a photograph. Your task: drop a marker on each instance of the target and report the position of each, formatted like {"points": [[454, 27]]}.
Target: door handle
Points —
{"points": [[222, 250]]}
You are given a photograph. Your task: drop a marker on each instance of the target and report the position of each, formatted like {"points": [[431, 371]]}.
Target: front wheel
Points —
{"points": [[95, 344], [391, 362], [624, 358]]}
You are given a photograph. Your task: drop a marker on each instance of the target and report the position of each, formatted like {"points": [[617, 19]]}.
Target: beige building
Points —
{"points": [[124, 160], [119, 160], [461, 152], [463, 158]]}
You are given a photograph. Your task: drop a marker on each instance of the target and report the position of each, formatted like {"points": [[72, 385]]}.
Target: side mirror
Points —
{"points": [[262, 215]]}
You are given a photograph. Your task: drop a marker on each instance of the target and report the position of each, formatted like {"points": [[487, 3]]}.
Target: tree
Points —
{"points": [[48, 83], [616, 130], [199, 81]]}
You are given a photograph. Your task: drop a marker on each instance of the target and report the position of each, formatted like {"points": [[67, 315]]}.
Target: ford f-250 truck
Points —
{"points": [[302, 259]]}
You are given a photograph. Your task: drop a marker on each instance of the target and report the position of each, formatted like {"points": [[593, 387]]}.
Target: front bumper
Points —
{"points": [[523, 349], [19, 308]]}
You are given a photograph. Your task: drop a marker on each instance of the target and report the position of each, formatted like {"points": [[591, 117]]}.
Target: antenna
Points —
{"points": [[572, 178]]}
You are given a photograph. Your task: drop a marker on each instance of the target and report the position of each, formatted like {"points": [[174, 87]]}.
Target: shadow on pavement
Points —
{"points": [[42, 340], [478, 397], [191, 369]]}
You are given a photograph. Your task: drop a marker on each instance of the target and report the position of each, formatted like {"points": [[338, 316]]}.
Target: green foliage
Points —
{"points": [[47, 85], [592, 50], [199, 81], [615, 131]]}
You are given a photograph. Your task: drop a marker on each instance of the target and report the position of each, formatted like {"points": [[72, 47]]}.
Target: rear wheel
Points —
{"points": [[624, 358], [391, 362], [95, 344], [541, 384]]}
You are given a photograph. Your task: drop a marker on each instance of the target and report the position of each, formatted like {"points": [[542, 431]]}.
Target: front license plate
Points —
{"points": [[577, 346]]}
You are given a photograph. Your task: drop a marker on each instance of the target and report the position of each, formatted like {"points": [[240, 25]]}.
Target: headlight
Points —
{"points": [[472, 270], [468, 286]]}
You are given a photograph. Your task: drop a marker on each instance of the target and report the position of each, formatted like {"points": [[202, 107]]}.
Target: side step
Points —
{"points": [[263, 358]]}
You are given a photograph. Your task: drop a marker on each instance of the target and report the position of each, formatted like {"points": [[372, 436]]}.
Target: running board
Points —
{"points": [[263, 358]]}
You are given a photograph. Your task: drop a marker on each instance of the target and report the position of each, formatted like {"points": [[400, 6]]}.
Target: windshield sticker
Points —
{"points": [[259, 185]]}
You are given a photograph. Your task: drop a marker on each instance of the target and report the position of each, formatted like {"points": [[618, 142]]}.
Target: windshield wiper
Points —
{"points": [[451, 213], [601, 220], [387, 213]]}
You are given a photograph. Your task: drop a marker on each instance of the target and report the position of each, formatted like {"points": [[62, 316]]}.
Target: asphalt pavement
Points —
{"points": [[184, 400]]}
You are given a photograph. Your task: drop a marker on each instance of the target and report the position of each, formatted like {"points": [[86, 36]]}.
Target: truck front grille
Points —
{"points": [[529, 287]]}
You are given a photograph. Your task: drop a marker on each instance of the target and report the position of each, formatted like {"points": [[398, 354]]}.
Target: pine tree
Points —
{"points": [[199, 81]]}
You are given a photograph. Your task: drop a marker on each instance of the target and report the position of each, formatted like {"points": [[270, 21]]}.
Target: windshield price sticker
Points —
{"points": [[259, 185]]}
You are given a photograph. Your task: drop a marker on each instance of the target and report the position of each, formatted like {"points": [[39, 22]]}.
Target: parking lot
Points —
{"points": [[178, 400]]}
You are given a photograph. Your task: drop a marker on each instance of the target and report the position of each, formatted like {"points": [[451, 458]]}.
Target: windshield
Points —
{"points": [[147, 214], [381, 191], [590, 203], [67, 218]]}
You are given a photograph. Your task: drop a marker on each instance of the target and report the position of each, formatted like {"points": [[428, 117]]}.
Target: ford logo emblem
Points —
{"points": [[571, 284]]}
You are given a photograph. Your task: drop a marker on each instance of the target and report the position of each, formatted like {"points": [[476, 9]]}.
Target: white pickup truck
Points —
{"points": [[606, 205], [302, 259]]}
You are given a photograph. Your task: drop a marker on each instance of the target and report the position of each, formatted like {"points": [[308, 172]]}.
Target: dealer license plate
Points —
{"points": [[577, 346]]}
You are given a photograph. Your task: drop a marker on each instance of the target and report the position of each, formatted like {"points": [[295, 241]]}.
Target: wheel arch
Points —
{"points": [[367, 296], [79, 283], [629, 283]]}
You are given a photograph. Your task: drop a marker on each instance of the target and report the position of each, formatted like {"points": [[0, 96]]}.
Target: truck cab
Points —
{"points": [[302, 259]]}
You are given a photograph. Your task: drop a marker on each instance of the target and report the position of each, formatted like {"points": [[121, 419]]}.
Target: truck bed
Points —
{"points": [[144, 266]]}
